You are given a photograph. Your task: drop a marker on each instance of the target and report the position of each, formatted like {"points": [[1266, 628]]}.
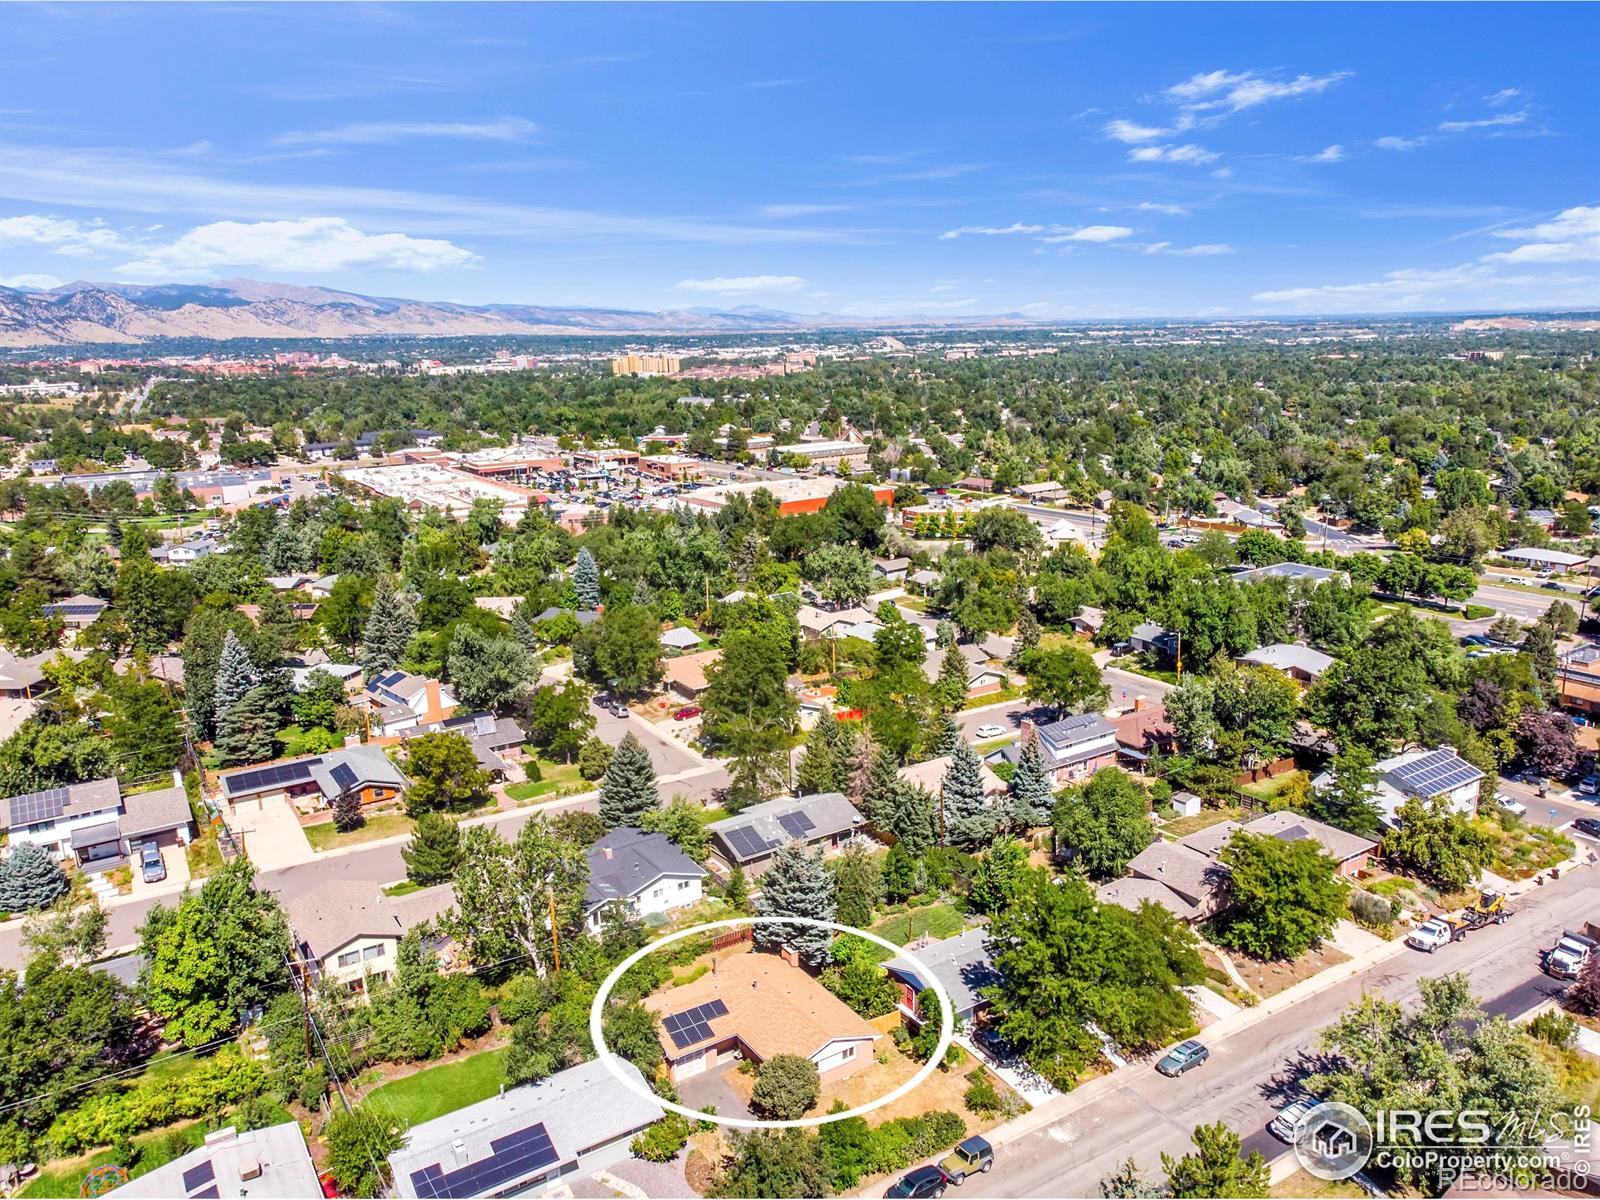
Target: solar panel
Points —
{"points": [[344, 777], [690, 1035], [195, 1176], [210, 1193], [717, 1009], [796, 824], [513, 1157], [746, 841]]}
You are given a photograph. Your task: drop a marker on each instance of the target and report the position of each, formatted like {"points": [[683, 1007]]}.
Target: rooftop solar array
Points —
{"points": [[343, 776], [198, 1175], [796, 824], [746, 842], [1435, 774], [265, 777], [391, 678], [39, 806], [693, 1026], [512, 1158]]}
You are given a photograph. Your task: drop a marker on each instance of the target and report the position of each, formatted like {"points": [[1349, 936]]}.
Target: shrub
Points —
{"points": [[347, 814], [982, 1096], [312, 1087], [661, 1142], [1372, 911], [1554, 1028], [786, 1086]]}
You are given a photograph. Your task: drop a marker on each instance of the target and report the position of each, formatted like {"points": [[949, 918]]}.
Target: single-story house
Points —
{"points": [[996, 646], [1149, 638], [1300, 663], [77, 612], [193, 550], [1291, 571], [347, 932], [929, 776], [1351, 851], [1192, 876], [923, 580], [315, 781], [749, 838], [271, 1161], [24, 678], [321, 587], [500, 606], [643, 871], [1088, 621], [678, 639], [571, 1124], [583, 616], [1073, 748], [685, 675], [94, 825], [287, 583], [755, 1006], [348, 674], [494, 739], [964, 964], [892, 569], [1424, 774], [1131, 891], [1539, 556], [398, 700], [982, 679]]}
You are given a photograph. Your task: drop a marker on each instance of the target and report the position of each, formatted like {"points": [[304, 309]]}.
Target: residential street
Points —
{"points": [[1139, 1113]]}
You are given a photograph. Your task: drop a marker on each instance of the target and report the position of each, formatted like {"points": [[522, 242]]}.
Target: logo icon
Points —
{"points": [[1333, 1141]]}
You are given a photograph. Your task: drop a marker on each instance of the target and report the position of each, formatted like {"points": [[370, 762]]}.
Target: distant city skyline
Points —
{"points": [[1058, 162]]}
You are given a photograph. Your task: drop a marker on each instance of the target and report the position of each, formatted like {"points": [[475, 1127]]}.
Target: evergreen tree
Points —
{"points": [[586, 580], [1349, 801], [1031, 797], [236, 675], [248, 731], [858, 883], [879, 785], [951, 686], [628, 789], [909, 817], [944, 634], [1217, 1168], [391, 624], [965, 816], [818, 772], [1027, 638], [737, 893], [347, 814], [30, 878], [902, 874], [947, 737], [797, 884], [434, 850]]}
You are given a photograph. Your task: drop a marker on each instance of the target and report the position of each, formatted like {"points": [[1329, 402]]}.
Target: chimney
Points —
{"points": [[607, 850], [1138, 704], [249, 1168], [1026, 731], [435, 709]]}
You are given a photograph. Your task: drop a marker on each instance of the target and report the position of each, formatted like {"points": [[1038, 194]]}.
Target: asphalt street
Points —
{"points": [[1253, 1072]]}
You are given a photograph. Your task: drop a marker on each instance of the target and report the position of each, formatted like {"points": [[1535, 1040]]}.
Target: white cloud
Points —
{"points": [[1516, 118], [1226, 92], [1128, 131], [1572, 236], [1203, 250], [372, 133], [62, 235], [801, 210], [1503, 96], [732, 284], [1222, 173], [1187, 153], [43, 282], [1398, 143], [308, 246], [988, 231], [1158, 247], [1090, 233], [1171, 210], [1330, 154]]}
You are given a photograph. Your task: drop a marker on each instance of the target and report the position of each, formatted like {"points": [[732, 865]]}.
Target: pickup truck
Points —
{"points": [[1568, 956]]}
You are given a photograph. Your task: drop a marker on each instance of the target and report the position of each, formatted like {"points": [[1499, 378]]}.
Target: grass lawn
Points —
{"points": [[438, 1090], [323, 836], [1181, 827], [1577, 1075], [204, 855], [935, 920], [553, 777], [1269, 790], [402, 889], [1307, 1186]]}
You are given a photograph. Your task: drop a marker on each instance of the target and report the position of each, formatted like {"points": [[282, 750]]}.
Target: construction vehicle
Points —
{"points": [[1488, 909], [1568, 957]]}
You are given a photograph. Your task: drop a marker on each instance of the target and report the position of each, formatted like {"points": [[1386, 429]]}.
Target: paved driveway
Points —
{"points": [[713, 1089], [272, 837]]}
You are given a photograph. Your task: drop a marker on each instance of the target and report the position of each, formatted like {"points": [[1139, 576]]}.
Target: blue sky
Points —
{"points": [[1073, 161]]}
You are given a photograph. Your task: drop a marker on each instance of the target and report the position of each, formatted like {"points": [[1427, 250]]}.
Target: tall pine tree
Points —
{"points": [[951, 687], [236, 675], [391, 623], [966, 818], [30, 878], [434, 850], [878, 788], [797, 884], [947, 736], [248, 732], [909, 817], [1031, 797], [628, 789], [586, 580]]}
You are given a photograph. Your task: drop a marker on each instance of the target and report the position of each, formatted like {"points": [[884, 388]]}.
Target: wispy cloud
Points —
{"points": [[1223, 91], [61, 235], [784, 211], [1399, 143], [1330, 154], [1131, 132], [949, 235], [1047, 234], [737, 284], [1203, 250], [1503, 96], [1171, 210], [1571, 236], [1503, 119], [1090, 233], [308, 246], [1188, 153], [374, 133], [759, 85]]}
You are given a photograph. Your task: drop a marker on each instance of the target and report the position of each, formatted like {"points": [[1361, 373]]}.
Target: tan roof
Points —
{"points": [[336, 913], [689, 670], [773, 1008], [929, 776]]}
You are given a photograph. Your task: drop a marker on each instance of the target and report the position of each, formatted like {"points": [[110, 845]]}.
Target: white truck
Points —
{"points": [[1568, 956]]}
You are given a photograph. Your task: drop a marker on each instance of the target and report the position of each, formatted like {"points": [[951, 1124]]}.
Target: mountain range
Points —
{"points": [[245, 308]]}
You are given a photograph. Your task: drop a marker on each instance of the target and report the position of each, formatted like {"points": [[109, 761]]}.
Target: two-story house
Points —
{"points": [[644, 872], [1073, 748]]}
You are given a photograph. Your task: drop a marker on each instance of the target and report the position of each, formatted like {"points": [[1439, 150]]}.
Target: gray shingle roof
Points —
{"points": [[636, 860], [964, 964], [335, 913], [1188, 872], [760, 829]]}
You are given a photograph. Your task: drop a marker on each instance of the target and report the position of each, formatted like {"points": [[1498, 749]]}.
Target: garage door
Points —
{"points": [[690, 1064]]}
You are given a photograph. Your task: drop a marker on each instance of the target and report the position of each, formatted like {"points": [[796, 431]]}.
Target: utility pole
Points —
{"points": [[555, 934]]}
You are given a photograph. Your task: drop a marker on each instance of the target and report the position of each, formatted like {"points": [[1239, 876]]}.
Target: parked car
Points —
{"points": [[1515, 807], [1183, 1057], [973, 1156], [1590, 786], [683, 714], [923, 1182], [1431, 934], [1588, 825], [151, 867], [990, 731], [1286, 1125], [995, 1046]]}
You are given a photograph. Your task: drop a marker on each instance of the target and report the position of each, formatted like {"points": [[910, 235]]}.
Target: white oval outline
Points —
{"points": [[639, 1088]]}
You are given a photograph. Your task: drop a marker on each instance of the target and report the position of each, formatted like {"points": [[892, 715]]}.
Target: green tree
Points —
{"points": [[30, 878], [951, 686], [1438, 843], [749, 711], [1001, 873], [68, 933], [1066, 679], [1349, 800], [842, 573], [586, 580], [504, 892], [141, 721], [317, 703], [489, 671], [737, 891], [345, 612], [908, 816], [236, 675], [858, 884], [247, 732], [389, 626], [444, 774], [767, 1163], [359, 1145], [902, 874], [1216, 1167], [1032, 798], [965, 813], [1286, 897], [434, 850], [786, 1086], [1104, 823], [628, 790], [679, 822], [559, 719], [1127, 1182], [622, 650], [221, 952], [594, 756], [797, 884]]}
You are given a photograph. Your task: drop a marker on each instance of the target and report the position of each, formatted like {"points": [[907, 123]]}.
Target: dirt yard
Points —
{"points": [[1270, 978]]}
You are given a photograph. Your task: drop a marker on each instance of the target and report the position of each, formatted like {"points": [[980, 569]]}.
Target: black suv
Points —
{"points": [[923, 1182]]}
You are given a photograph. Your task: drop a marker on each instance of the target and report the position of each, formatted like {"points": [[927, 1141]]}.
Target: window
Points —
{"points": [[372, 952], [684, 885], [349, 958]]}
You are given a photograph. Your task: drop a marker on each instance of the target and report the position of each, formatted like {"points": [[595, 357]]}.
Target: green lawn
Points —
{"points": [[554, 777], [1206, 817], [935, 920], [442, 1089], [1268, 790], [323, 836]]}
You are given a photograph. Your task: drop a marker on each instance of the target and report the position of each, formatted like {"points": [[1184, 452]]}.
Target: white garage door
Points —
{"points": [[691, 1064]]}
